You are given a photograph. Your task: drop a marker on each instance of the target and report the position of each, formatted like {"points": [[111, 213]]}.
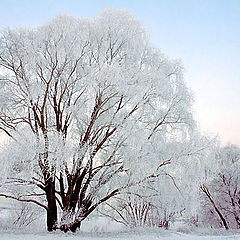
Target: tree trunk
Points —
{"points": [[52, 206], [206, 191], [221, 217], [70, 220], [76, 225]]}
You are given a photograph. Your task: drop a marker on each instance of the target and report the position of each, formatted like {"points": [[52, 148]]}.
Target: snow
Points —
{"points": [[165, 235]]}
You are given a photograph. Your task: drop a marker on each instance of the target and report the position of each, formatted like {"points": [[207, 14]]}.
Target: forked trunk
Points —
{"points": [[70, 220]]}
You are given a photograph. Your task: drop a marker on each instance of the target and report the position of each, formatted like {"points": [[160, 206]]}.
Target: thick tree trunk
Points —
{"points": [[52, 206], [70, 220]]}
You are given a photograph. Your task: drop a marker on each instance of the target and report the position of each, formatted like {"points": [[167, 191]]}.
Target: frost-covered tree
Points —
{"points": [[7, 123], [221, 192], [91, 102]]}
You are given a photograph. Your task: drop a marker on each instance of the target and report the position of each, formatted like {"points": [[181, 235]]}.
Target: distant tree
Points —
{"points": [[222, 190], [90, 100]]}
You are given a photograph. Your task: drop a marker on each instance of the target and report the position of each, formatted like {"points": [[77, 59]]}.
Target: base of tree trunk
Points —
{"points": [[70, 227]]}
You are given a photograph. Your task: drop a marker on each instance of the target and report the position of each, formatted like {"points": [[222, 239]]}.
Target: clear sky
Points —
{"points": [[205, 34]]}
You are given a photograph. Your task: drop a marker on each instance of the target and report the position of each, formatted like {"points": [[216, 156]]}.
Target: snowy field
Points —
{"points": [[100, 228], [112, 236]]}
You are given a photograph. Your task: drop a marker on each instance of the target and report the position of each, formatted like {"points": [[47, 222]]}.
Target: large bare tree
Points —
{"points": [[89, 100]]}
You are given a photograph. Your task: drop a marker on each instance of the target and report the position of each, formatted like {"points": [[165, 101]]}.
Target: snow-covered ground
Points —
{"points": [[164, 235], [99, 228]]}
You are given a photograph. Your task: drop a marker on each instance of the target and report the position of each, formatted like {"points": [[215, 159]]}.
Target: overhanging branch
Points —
{"points": [[24, 200]]}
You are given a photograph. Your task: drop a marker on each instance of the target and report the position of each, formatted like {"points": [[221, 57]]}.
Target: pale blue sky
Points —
{"points": [[205, 34]]}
